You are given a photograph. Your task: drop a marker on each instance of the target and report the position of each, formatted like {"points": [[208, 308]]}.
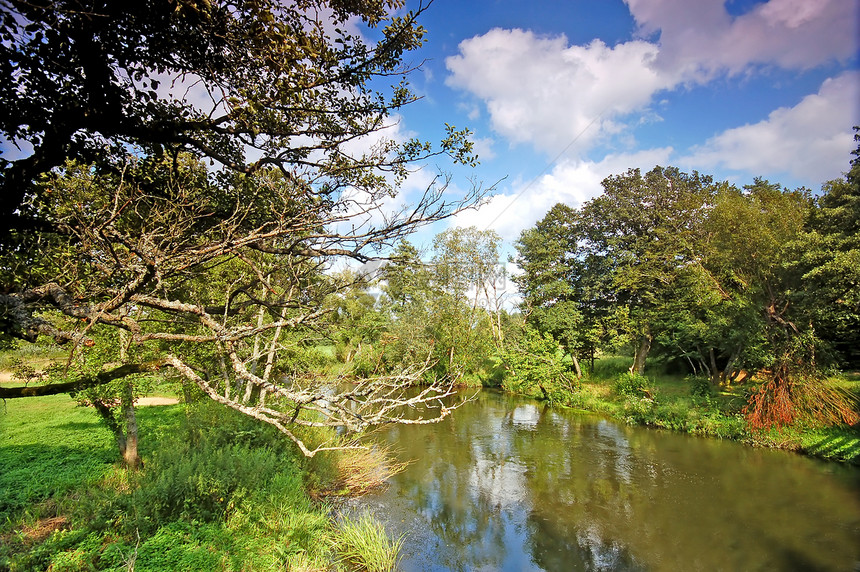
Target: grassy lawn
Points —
{"points": [[218, 492], [49, 446]]}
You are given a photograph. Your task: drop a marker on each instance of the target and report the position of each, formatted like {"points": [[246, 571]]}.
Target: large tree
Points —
{"points": [[201, 228], [247, 84], [828, 257], [565, 287], [620, 254]]}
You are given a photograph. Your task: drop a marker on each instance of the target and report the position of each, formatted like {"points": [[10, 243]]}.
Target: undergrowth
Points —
{"points": [[694, 405], [218, 492]]}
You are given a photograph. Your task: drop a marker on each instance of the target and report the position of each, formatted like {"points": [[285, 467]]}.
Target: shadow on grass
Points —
{"points": [[31, 474], [837, 446], [79, 425]]}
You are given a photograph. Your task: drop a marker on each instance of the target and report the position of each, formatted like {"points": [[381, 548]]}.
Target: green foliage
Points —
{"points": [[633, 385], [218, 491], [217, 271], [700, 387], [177, 546], [708, 277], [201, 483], [33, 353], [368, 362], [534, 367], [447, 311], [610, 367]]}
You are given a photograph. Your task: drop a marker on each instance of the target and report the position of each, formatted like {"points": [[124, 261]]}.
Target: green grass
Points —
{"points": [[218, 492], [48, 447], [364, 545], [676, 403]]}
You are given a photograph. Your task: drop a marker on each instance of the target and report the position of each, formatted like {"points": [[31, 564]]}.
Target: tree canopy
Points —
{"points": [[190, 170], [723, 280]]}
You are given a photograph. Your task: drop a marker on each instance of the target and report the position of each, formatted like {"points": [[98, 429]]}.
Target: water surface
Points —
{"points": [[510, 484]]}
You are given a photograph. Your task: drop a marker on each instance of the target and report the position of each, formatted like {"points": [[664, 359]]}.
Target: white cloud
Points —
{"points": [[539, 90], [700, 38], [571, 182], [542, 91], [810, 141], [484, 148]]}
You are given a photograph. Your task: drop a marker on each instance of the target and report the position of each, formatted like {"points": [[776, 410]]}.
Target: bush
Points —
{"points": [[632, 385], [700, 387], [609, 367], [202, 485], [535, 367], [368, 362]]}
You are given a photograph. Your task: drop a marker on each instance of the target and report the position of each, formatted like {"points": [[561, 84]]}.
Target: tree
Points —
{"points": [[466, 265], [447, 307], [247, 84], [828, 257], [620, 254], [118, 222], [356, 320], [565, 287], [648, 226], [533, 367]]}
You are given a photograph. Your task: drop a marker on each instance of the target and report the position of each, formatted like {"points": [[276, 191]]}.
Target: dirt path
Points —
{"points": [[144, 401]]}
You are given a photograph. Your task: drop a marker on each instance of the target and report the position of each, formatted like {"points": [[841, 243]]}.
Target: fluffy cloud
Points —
{"points": [[699, 39], [571, 182], [811, 141], [542, 91]]}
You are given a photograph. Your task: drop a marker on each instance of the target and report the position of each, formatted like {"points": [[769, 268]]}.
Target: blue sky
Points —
{"points": [[561, 94]]}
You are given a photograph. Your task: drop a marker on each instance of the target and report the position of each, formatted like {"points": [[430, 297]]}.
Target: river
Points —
{"points": [[510, 484]]}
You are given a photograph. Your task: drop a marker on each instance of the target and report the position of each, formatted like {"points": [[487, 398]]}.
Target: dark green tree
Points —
{"points": [[245, 84], [203, 229], [648, 228], [621, 254], [565, 287], [828, 257]]}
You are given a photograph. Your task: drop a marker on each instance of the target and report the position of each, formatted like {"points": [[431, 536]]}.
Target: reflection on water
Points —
{"points": [[509, 484]]}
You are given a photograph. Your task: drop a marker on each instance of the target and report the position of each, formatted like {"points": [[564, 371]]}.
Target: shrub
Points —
{"points": [[609, 367], [534, 367], [638, 410], [700, 387], [201, 484], [633, 385]]}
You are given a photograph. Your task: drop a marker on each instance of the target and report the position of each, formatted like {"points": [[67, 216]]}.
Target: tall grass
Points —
{"points": [[363, 544], [218, 492]]}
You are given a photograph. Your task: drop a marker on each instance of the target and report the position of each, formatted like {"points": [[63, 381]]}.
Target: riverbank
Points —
{"points": [[217, 492], [682, 404]]}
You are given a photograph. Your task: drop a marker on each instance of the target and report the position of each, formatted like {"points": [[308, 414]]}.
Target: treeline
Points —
{"points": [[711, 280], [721, 281], [446, 312]]}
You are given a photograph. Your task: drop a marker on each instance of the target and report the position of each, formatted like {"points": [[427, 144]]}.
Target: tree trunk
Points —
{"points": [[642, 352], [692, 366], [715, 371], [729, 373], [126, 440], [130, 454], [576, 367]]}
